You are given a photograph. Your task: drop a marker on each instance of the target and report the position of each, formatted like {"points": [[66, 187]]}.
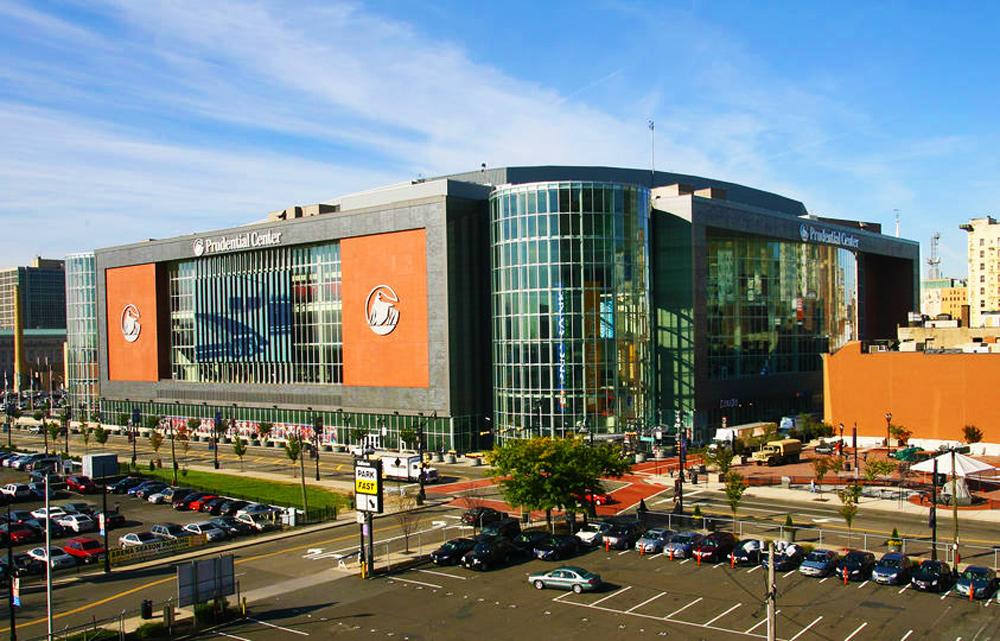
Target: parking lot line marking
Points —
{"points": [[450, 576], [906, 636], [717, 565], [615, 593], [430, 585], [713, 620], [863, 585], [685, 561], [636, 607], [232, 636], [754, 569], [623, 552], [853, 634], [679, 610], [824, 580], [760, 623], [279, 627], [788, 574], [904, 588], [803, 630]]}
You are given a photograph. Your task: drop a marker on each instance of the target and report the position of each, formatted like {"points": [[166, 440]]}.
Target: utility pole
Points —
{"points": [[933, 514], [215, 438], [10, 583], [302, 477], [104, 524], [679, 483], [173, 448], [772, 594], [854, 444], [133, 432], [954, 505], [48, 560], [317, 429]]}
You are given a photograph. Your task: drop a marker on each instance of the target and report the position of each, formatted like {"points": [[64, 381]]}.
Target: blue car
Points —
{"points": [[682, 544], [892, 569], [819, 563], [132, 491], [982, 580]]}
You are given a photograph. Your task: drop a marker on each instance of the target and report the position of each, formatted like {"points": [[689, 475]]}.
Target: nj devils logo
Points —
{"points": [[380, 310], [130, 323]]}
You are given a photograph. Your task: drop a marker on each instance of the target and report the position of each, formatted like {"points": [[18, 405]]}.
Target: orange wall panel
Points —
{"points": [[377, 358], [132, 323], [932, 395]]}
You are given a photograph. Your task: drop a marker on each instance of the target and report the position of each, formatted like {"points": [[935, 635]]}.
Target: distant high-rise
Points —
{"points": [[984, 267], [43, 294]]}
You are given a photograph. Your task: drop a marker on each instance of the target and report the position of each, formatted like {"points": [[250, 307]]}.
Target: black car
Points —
{"points": [[19, 516], [932, 576], [747, 552], [451, 553], [213, 507], [789, 559], [480, 516], [859, 565], [113, 519], [24, 565], [232, 526], [231, 507], [557, 547], [525, 542], [124, 485], [55, 530], [489, 553]]}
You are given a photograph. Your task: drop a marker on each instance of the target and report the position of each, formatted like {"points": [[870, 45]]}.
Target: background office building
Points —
{"points": [[943, 296], [511, 302], [81, 337], [984, 267]]}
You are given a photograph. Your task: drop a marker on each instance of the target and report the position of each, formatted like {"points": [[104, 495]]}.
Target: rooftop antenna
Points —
{"points": [[652, 154], [934, 262], [897, 222]]}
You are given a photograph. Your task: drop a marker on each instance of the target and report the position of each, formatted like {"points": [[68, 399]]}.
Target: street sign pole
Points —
{"points": [[368, 501]]}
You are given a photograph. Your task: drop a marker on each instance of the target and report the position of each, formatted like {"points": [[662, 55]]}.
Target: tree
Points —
{"points": [[358, 434], [86, 438], [264, 430], [972, 434], [408, 435], [100, 434], [720, 457], [735, 487], [240, 449], [820, 467], [406, 518], [153, 422], [156, 442], [849, 496], [54, 432], [122, 419], [875, 468], [293, 449], [38, 415], [900, 433], [193, 424]]}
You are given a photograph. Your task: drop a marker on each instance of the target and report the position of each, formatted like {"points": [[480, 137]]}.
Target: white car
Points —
{"points": [[79, 523], [590, 533], [258, 522], [53, 513], [211, 531], [59, 557], [17, 491], [136, 539]]}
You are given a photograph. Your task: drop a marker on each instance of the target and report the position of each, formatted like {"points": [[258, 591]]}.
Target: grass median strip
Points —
{"points": [[249, 488]]}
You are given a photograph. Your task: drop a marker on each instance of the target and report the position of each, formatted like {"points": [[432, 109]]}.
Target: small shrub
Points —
{"points": [[151, 630]]}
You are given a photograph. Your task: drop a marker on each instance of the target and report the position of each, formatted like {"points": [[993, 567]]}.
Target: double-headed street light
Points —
{"points": [[888, 430]]}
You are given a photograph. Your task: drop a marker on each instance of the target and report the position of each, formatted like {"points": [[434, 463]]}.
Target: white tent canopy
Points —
{"points": [[964, 465]]}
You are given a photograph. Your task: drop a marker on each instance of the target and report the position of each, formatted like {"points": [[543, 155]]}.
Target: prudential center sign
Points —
{"points": [[811, 234]]}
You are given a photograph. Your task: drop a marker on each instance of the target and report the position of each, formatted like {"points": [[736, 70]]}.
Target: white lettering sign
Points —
{"points": [[248, 240], [810, 234]]}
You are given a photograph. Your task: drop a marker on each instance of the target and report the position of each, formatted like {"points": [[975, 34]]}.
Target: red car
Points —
{"points": [[195, 505], [84, 548], [598, 498], [17, 533], [81, 484]]}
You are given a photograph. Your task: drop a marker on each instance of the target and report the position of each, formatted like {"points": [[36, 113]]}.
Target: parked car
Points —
{"points": [[196, 505], [213, 506], [38, 490], [893, 569], [43, 463], [56, 557], [819, 563], [25, 565], [143, 491], [230, 525], [825, 448], [653, 540], [982, 581], [507, 528], [932, 576], [260, 522], [231, 507], [112, 519], [489, 553], [80, 483], [79, 507], [621, 536], [557, 547], [78, 523], [714, 547], [18, 491], [790, 557], [682, 544], [859, 565], [480, 516], [55, 480], [56, 530], [84, 548], [169, 495], [209, 529], [17, 533], [254, 509], [452, 551], [591, 533], [48, 513], [591, 497], [184, 502], [747, 552], [134, 539], [18, 516], [567, 578], [525, 542], [169, 531], [125, 484]]}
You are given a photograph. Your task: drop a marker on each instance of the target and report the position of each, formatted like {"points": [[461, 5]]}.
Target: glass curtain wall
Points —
{"points": [[570, 288], [271, 316], [774, 306], [81, 334]]}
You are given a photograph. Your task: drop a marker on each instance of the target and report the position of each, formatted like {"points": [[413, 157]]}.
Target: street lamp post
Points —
{"points": [[173, 441], [317, 428], [841, 426], [215, 438], [133, 419], [10, 583], [888, 430]]}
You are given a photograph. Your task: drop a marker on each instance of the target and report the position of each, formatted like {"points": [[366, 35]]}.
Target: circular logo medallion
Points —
{"points": [[381, 313], [130, 323], [199, 247], [804, 233]]}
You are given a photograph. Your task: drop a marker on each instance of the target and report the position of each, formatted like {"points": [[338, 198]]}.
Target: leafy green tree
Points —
{"points": [[153, 422], [86, 432], [38, 415], [721, 458], [900, 433], [876, 468], [54, 431], [156, 442], [122, 419], [408, 435], [972, 434], [193, 424], [293, 449], [264, 430], [735, 486], [849, 496], [100, 434], [240, 449], [820, 467]]}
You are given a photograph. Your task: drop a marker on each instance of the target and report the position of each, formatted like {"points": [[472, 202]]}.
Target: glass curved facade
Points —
{"points": [[81, 334], [774, 306], [571, 308]]}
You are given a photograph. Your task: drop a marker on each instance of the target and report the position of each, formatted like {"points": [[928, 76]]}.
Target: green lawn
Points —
{"points": [[249, 488]]}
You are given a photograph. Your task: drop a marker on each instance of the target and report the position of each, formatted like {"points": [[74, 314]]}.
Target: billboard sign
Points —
{"points": [[368, 486], [205, 580]]}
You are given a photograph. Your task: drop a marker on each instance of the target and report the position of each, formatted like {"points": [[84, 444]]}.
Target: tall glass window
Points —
{"points": [[570, 270], [81, 334], [775, 306], [271, 316]]}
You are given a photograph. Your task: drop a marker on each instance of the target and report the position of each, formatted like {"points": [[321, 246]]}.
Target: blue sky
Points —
{"points": [[121, 121]]}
